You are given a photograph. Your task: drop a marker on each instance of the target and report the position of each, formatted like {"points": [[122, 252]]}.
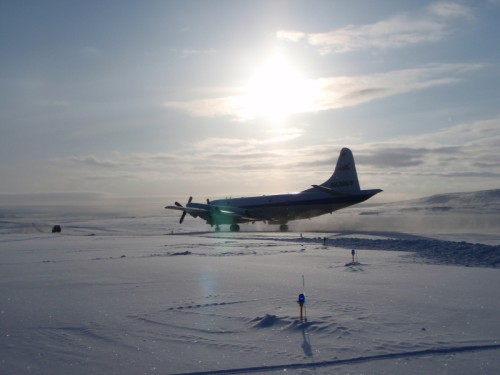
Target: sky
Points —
{"points": [[114, 101]]}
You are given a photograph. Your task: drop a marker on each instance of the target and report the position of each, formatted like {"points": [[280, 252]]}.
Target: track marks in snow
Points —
{"points": [[67, 345], [356, 360], [80, 335], [204, 305]]}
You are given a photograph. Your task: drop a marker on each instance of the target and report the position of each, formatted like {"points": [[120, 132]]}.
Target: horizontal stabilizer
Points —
{"points": [[331, 191]]}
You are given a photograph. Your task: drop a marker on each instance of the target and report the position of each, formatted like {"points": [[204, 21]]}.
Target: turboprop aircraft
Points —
{"points": [[339, 191]]}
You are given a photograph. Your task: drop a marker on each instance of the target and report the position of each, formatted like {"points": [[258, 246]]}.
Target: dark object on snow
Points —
{"points": [[56, 229], [180, 253]]}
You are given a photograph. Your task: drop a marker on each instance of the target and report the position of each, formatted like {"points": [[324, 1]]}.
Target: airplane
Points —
{"points": [[339, 191]]}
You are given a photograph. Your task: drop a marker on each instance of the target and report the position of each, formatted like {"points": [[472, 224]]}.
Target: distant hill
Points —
{"points": [[484, 201], [462, 213], [476, 199]]}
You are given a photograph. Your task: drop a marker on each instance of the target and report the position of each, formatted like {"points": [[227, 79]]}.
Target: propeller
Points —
{"points": [[183, 212]]}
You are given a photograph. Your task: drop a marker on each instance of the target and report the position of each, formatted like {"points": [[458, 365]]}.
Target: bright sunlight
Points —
{"points": [[278, 90]]}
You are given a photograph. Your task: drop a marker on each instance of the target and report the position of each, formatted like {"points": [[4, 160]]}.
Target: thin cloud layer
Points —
{"points": [[463, 149], [448, 157], [429, 26], [340, 92]]}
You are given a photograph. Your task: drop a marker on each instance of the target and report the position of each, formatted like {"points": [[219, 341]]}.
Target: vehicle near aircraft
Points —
{"points": [[339, 191]]}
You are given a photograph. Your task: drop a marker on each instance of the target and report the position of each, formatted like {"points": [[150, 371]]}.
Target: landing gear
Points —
{"points": [[284, 228], [232, 228]]}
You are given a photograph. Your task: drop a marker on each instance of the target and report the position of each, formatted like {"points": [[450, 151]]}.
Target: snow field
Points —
{"points": [[119, 297]]}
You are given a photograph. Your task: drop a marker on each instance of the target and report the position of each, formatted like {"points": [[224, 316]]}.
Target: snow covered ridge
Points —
{"points": [[472, 199], [443, 252], [488, 200]]}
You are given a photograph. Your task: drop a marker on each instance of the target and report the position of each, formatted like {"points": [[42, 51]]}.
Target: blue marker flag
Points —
{"points": [[302, 298]]}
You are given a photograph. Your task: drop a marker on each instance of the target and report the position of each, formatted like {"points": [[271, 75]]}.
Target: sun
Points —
{"points": [[278, 90]]}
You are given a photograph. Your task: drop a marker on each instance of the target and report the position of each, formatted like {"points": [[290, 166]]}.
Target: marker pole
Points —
{"points": [[304, 292], [301, 301]]}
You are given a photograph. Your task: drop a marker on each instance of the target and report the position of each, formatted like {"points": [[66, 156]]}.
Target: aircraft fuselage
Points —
{"points": [[281, 208], [339, 191]]}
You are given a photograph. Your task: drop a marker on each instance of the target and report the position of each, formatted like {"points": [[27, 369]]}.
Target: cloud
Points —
{"points": [[458, 158], [213, 164], [392, 33], [394, 157], [484, 131], [238, 146], [211, 107], [463, 157], [429, 26], [290, 35], [460, 150], [445, 10], [340, 92], [116, 162]]}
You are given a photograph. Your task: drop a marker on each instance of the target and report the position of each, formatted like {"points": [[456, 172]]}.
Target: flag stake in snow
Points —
{"points": [[353, 253], [301, 302]]}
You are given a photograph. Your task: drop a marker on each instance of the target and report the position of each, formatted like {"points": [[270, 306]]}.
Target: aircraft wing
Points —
{"points": [[206, 211], [235, 213]]}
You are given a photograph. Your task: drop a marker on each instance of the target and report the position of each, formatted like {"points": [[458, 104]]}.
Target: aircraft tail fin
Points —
{"points": [[345, 178]]}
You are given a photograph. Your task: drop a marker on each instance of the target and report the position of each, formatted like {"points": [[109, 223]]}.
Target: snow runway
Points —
{"points": [[113, 297]]}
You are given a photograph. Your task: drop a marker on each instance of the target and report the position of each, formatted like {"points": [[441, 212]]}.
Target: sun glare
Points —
{"points": [[278, 90]]}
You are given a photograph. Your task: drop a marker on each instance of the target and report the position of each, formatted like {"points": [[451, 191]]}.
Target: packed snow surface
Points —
{"points": [[146, 296]]}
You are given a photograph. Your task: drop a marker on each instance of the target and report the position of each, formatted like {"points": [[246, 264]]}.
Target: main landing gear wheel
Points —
{"points": [[284, 228], [234, 228]]}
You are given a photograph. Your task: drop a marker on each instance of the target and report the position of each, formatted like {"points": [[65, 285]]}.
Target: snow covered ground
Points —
{"points": [[146, 296]]}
